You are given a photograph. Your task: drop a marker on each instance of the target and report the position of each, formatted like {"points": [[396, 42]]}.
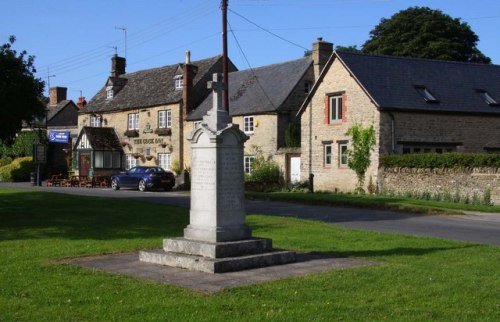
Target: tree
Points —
{"points": [[349, 49], [425, 33], [358, 156], [20, 91]]}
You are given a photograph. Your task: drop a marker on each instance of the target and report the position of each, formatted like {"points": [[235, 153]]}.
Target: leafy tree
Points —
{"points": [[425, 33], [349, 49], [20, 91], [358, 156]]}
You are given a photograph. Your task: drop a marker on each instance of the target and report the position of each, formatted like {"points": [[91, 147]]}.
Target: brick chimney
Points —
{"points": [[81, 102], [117, 66], [321, 51], [57, 94], [188, 74]]}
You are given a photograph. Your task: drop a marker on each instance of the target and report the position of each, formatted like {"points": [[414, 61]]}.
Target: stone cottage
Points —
{"points": [[146, 111], [414, 105]]}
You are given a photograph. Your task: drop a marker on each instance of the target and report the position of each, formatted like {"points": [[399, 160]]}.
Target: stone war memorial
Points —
{"points": [[217, 239]]}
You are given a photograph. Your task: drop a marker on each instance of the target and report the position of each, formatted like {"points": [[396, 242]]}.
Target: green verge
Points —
{"points": [[416, 279], [372, 202]]}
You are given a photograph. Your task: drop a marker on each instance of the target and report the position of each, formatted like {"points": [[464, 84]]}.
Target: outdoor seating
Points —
{"points": [[55, 180]]}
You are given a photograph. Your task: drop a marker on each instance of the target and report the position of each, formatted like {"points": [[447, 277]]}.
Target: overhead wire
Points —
{"points": [[250, 66]]}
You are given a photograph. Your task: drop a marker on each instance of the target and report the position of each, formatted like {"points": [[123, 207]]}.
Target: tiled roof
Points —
{"points": [[102, 138], [261, 90], [145, 88], [392, 81]]}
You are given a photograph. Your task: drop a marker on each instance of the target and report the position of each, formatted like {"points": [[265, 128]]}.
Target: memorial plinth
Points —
{"points": [[217, 238]]}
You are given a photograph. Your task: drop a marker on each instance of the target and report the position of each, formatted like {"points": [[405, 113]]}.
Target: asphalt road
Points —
{"points": [[473, 227]]}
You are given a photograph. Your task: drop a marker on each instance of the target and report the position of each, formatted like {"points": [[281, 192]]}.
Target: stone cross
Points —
{"points": [[217, 87]]}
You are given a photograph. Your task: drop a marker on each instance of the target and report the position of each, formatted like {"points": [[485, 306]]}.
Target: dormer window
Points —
{"points": [[487, 98], [178, 82], [426, 94], [109, 92]]}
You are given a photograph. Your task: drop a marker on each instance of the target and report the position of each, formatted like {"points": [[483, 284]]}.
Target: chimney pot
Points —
{"points": [[188, 57]]}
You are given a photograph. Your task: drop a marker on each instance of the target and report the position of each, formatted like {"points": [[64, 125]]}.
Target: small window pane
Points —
{"points": [[107, 159], [328, 154], [117, 160], [98, 159]]}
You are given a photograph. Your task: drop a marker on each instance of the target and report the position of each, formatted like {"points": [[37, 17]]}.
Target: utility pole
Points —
{"points": [[224, 56]]}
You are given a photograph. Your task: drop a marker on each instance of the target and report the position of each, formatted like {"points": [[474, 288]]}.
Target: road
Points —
{"points": [[472, 227]]}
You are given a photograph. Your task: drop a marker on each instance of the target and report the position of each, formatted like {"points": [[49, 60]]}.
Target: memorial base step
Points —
{"points": [[217, 265]]}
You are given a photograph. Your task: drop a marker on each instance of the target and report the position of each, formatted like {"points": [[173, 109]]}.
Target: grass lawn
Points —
{"points": [[372, 202], [417, 279]]}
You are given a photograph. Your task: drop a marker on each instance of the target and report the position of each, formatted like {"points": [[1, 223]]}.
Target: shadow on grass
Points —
{"points": [[398, 251], [37, 215]]}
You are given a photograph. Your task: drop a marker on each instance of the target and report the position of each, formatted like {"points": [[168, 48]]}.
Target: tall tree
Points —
{"points": [[425, 33], [20, 91]]}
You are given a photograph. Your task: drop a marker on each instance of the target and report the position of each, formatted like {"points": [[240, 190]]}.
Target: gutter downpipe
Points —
{"points": [[393, 133], [311, 175]]}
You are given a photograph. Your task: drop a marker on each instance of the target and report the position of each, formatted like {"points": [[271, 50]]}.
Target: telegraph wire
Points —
{"points": [[248, 63], [267, 30]]}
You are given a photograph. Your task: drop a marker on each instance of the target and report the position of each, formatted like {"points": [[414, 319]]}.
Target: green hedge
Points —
{"points": [[18, 170], [445, 160], [5, 161]]}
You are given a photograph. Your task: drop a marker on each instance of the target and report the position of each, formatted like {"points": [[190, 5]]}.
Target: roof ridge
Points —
{"points": [[272, 65], [416, 58], [171, 65]]}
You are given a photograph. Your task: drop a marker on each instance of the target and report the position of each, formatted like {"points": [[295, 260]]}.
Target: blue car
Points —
{"points": [[144, 178]]}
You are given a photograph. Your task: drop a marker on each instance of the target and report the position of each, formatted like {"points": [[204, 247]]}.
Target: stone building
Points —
{"points": [[264, 102], [415, 106], [146, 112]]}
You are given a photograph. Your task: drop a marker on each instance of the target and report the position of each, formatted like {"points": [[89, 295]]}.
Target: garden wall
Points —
{"points": [[451, 181]]}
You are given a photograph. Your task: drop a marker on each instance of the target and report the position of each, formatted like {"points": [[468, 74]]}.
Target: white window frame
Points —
{"points": [[130, 162], [165, 161], [109, 92], [335, 109], [248, 124], [178, 82], [165, 119], [133, 121], [95, 121], [248, 161], [327, 154], [343, 155]]}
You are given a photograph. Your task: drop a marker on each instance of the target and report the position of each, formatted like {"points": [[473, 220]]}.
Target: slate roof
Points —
{"points": [[146, 88], [391, 82], [53, 110], [102, 138], [261, 90]]}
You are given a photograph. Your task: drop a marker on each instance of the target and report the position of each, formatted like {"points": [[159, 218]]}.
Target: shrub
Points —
{"points": [[292, 136], [266, 171], [18, 170], [5, 161], [445, 160]]}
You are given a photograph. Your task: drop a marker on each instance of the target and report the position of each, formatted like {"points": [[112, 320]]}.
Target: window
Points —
{"points": [[107, 159], [487, 98], [131, 162], [164, 160], [248, 163], [95, 121], [327, 154], [426, 94], [109, 92], [178, 82], [165, 119], [248, 124], [342, 155], [335, 110], [133, 121]]}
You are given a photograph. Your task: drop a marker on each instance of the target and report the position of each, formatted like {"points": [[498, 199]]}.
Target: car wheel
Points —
{"points": [[142, 185], [114, 184]]}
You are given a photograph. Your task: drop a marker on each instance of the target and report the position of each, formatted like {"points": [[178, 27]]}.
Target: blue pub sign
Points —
{"points": [[59, 136]]}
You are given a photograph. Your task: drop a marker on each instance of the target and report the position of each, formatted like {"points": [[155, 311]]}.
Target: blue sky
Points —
{"points": [[74, 40]]}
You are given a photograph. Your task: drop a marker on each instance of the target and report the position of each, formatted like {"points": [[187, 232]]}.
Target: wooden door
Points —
{"points": [[84, 166]]}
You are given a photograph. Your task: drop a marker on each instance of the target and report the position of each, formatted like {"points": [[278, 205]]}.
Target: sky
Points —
{"points": [[73, 41]]}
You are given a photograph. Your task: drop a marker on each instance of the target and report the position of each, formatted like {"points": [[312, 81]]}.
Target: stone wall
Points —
{"points": [[464, 181]]}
